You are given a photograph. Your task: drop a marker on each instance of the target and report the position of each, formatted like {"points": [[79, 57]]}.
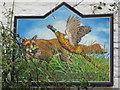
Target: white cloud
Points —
{"points": [[94, 34], [89, 39], [45, 33], [42, 33], [92, 39], [81, 24], [106, 30], [60, 26]]}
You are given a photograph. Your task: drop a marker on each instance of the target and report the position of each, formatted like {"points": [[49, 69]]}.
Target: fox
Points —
{"points": [[50, 48]]}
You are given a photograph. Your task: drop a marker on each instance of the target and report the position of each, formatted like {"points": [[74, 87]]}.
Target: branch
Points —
{"points": [[12, 14], [78, 3]]}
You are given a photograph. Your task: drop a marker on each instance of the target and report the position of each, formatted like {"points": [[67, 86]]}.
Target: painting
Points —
{"points": [[69, 45]]}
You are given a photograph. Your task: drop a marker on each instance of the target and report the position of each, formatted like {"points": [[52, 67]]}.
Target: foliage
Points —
{"points": [[61, 71], [100, 6], [13, 55], [112, 7]]}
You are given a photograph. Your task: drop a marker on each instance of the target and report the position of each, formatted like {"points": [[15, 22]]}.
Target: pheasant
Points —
{"points": [[73, 34]]}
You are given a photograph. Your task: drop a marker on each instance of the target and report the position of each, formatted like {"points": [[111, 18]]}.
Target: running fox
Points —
{"points": [[49, 48]]}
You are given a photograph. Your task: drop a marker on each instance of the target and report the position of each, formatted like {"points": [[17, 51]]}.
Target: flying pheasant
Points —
{"points": [[74, 31], [73, 34]]}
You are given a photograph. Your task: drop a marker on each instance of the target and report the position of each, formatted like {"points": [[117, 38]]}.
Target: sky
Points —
{"points": [[100, 27]]}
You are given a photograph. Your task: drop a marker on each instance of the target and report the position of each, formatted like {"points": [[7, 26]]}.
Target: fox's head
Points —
{"points": [[29, 44]]}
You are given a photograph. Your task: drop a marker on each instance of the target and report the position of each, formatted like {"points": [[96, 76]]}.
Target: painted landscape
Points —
{"points": [[53, 67]]}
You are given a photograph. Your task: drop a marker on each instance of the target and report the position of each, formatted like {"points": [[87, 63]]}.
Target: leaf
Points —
{"points": [[3, 35], [104, 4], [17, 35], [109, 9], [99, 7], [95, 6], [112, 5]]}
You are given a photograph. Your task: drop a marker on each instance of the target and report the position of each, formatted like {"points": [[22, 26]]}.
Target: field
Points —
{"points": [[57, 70]]}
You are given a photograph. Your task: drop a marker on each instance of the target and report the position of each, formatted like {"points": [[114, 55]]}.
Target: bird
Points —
{"points": [[75, 31], [73, 34]]}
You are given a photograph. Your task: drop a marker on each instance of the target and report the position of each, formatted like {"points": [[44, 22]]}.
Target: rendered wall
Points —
{"points": [[40, 7]]}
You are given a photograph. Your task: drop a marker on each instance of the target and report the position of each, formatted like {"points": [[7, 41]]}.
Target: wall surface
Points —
{"points": [[41, 7]]}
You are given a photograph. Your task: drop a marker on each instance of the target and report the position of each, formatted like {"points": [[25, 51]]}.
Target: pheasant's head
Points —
{"points": [[51, 28]]}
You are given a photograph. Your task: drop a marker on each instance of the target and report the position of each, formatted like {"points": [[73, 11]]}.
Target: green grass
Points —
{"points": [[58, 70]]}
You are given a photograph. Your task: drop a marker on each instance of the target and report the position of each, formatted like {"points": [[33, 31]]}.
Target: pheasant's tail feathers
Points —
{"points": [[92, 62]]}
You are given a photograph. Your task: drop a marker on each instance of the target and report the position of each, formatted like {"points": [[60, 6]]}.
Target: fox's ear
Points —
{"points": [[24, 39], [34, 38]]}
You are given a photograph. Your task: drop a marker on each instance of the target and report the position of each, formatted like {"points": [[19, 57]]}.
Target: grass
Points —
{"points": [[58, 70]]}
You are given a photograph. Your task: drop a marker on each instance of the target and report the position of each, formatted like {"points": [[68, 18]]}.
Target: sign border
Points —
{"points": [[100, 84]]}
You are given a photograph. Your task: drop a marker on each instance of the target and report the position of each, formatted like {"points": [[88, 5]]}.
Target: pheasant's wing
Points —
{"points": [[82, 32], [72, 28]]}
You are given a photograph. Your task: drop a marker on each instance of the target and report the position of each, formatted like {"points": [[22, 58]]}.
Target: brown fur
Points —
{"points": [[93, 49], [48, 48], [81, 49]]}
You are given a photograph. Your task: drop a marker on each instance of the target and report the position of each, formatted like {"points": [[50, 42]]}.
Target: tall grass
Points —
{"points": [[62, 71]]}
